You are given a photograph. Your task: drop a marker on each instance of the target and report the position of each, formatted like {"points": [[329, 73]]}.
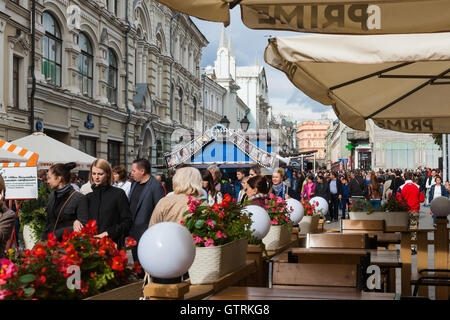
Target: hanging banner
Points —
{"points": [[21, 182]]}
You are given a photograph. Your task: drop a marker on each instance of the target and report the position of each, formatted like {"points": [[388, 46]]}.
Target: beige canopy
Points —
{"points": [[52, 151], [402, 82], [326, 16]]}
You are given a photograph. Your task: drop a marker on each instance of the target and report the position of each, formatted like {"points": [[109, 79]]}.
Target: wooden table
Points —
{"points": [[382, 258], [319, 293], [388, 238], [385, 259]]}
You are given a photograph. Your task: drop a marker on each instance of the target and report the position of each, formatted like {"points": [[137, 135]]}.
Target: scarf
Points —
{"points": [[60, 192], [279, 190]]}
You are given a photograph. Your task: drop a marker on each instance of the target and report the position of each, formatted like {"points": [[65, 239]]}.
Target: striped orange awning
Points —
{"points": [[31, 156]]}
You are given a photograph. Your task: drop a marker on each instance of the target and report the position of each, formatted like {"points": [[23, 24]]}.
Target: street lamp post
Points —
{"points": [[225, 122], [245, 123]]}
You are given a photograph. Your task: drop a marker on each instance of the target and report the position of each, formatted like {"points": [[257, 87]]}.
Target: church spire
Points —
{"points": [[230, 47], [223, 39]]}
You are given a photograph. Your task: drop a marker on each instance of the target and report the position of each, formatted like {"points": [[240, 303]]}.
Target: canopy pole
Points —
{"points": [[423, 85], [444, 153]]}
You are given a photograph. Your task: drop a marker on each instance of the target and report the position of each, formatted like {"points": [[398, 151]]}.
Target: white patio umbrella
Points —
{"points": [[52, 151], [402, 82], [326, 16]]}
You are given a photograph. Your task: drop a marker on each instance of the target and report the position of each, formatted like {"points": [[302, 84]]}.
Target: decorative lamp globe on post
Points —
{"points": [[440, 207], [225, 122], [245, 123], [166, 251]]}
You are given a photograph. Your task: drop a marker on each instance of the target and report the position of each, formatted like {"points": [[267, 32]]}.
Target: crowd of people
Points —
{"points": [[126, 204]]}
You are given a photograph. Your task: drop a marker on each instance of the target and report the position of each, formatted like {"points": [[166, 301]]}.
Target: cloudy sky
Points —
{"points": [[248, 46]]}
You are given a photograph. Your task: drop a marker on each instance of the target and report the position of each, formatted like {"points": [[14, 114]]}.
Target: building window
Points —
{"points": [[159, 151], [111, 76], [195, 109], [180, 106], [85, 65], [114, 153], [88, 145], [16, 92], [51, 50]]}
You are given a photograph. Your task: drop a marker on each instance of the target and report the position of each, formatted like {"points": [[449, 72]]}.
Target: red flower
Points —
{"points": [[130, 242], [39, 251], [137, 267], [90, 227], [52, 241], [117, 264]]}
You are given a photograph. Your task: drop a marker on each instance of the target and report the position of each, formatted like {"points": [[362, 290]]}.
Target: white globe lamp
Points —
{"points": [[440, 207], [166, 250], [296, 210], [319, 204], [260, 221]]}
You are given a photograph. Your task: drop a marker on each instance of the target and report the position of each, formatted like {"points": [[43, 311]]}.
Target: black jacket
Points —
{"points": [[357, 187], [322, 190], [75, 209], [396, 184], [109, 207], [152, 193]]}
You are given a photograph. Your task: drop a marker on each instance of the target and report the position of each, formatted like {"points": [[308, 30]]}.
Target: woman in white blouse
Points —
{"points": [[121, 179]]}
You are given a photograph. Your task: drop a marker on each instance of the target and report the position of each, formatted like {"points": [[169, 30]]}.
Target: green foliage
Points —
{"points": [[33, 212]]}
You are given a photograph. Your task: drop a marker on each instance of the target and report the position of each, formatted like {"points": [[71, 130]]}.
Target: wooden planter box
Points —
{"points": [[393, 219]]}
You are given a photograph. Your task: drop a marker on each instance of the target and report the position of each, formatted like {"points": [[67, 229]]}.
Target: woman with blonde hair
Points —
{"points": [[187, 182], [279, 188], [108, 205]]}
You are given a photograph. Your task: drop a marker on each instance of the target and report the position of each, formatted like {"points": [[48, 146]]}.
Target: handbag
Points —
{"points": [[60, 210]]}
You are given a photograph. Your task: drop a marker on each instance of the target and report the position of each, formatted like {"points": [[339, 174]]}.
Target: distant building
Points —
{"points": [[379, 148], [311, 136]]}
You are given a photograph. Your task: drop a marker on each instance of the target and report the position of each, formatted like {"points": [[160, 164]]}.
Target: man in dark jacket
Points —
{"points": [[397, 182], [357, 186], [335, 186], [322, 189], [145, 193]]}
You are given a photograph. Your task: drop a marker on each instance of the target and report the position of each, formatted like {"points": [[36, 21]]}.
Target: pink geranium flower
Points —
{"points": [[210, 223], [197, 239], [274, 221], [209, 243], [4, 293], [221, 235]]}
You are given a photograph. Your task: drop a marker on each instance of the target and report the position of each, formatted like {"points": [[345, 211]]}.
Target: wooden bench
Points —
{"points": [[371, 227], [337, 240], [299, 293], [306, 267]]}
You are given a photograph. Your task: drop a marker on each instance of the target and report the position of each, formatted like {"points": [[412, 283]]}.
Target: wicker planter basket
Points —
{"points": [[29, 237], [393, 219], [309, 224], [277, 237], [211, 263]]}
